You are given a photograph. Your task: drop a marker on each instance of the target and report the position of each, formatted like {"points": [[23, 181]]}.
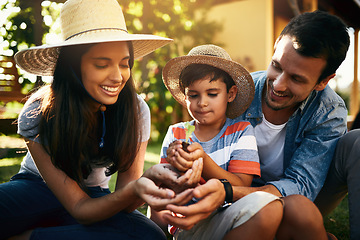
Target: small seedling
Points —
{"points": [[189, 130]]}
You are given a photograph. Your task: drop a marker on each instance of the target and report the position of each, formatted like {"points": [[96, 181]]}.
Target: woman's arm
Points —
{"points": [[133, 173]]}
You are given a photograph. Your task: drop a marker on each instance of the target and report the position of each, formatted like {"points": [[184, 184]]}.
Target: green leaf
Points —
{"points": [[189, 130]]}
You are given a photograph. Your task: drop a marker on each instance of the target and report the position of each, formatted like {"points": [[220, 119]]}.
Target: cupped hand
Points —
{"points": [[211, 195], [162, 172], [175, 159], [181, 159], [166, 176], [193, 175], [158, 198]]}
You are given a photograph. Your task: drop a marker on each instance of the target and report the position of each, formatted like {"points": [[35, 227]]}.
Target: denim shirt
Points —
{"points": [[311, 136]]}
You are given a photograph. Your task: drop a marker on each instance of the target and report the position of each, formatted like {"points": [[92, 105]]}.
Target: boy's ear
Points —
{"points": [[232, 93]]}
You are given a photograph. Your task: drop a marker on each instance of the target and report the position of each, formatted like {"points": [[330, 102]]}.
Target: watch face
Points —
{"points": [[224, 206]]}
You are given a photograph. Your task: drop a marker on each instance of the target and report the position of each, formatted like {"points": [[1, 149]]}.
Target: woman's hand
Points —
{"points": [[158, 198], [163, 172], [165, 175]]}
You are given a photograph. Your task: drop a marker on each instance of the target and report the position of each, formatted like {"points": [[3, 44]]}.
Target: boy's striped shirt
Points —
{"points": [[234, 148]]}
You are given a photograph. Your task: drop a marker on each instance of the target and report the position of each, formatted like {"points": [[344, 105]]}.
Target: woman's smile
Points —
{"points": [[110, 89]]}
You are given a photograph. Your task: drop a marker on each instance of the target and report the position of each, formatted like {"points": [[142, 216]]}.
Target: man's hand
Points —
{"points": [[211, 195]]}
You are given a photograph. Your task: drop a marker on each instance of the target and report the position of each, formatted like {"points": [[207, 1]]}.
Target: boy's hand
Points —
{"points": [[170, 152], [181, 159], [195, 173], [189, 179]]}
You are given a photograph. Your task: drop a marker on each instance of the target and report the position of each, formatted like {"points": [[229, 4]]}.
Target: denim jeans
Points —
{"points": [[343, 178], [27, 203]]}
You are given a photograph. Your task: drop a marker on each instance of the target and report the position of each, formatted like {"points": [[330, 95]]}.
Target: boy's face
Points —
{"points": [[207, 101]]}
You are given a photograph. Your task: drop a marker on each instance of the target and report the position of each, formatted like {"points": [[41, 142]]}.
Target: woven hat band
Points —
{"points": [[99, 29]]}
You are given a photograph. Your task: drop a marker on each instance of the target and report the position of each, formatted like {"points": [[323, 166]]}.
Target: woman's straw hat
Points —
{"points": [[219, 58], [82, 22]]}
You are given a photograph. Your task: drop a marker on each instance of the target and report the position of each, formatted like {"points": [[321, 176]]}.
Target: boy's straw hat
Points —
{"points": [[219, 58], [87, 21]]}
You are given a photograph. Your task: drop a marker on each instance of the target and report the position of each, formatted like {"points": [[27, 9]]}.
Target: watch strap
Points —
{"points": [[228, 190]]}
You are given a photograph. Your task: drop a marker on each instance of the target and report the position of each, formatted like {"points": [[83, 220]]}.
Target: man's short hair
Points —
{"points": [[321, 35]]}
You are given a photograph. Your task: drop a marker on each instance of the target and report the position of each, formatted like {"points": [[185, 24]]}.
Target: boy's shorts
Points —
{"points": [[222, 221]]}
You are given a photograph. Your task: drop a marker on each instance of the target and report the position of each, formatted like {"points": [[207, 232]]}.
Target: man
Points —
{"points": [[298, 119]]}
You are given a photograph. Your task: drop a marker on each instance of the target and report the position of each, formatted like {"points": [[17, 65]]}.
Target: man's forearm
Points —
{"points": [[239, 192]]}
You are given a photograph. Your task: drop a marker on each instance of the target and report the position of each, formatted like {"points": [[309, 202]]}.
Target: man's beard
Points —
{"points": [[267, 97]]}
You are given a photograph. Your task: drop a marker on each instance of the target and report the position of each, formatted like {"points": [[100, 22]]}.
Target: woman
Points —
{"points": [[87, 125]]}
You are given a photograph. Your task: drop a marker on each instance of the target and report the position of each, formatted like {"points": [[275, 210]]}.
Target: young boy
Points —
{"points": [[215, 90]]}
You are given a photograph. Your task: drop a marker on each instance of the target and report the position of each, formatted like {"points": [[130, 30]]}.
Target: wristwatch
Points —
{"points": [[228, 193]]}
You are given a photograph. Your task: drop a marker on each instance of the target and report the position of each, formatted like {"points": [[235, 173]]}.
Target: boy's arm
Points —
{"points": [[210, 168], [241, 153]]}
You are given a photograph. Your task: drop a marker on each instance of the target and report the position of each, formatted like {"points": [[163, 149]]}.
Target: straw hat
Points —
{"points": [[87, 21], [219, 58]]}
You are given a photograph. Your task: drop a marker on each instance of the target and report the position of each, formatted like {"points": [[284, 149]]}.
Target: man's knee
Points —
{"points": [[300, 211], [350, 140], [347, 152]]}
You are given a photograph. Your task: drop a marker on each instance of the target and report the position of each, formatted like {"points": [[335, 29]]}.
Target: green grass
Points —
{"points": [[337, 222], [152, 156]]}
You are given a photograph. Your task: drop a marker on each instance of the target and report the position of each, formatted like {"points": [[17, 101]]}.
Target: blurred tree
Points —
{"points": [[182, 20], [19, 29], [185, 22]]}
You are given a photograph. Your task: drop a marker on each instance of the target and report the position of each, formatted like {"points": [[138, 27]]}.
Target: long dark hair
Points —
{"points": [[70, 130]]}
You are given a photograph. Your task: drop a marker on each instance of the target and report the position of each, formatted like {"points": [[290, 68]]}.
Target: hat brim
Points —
{"points": [[41, 60], [242, 78]]}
